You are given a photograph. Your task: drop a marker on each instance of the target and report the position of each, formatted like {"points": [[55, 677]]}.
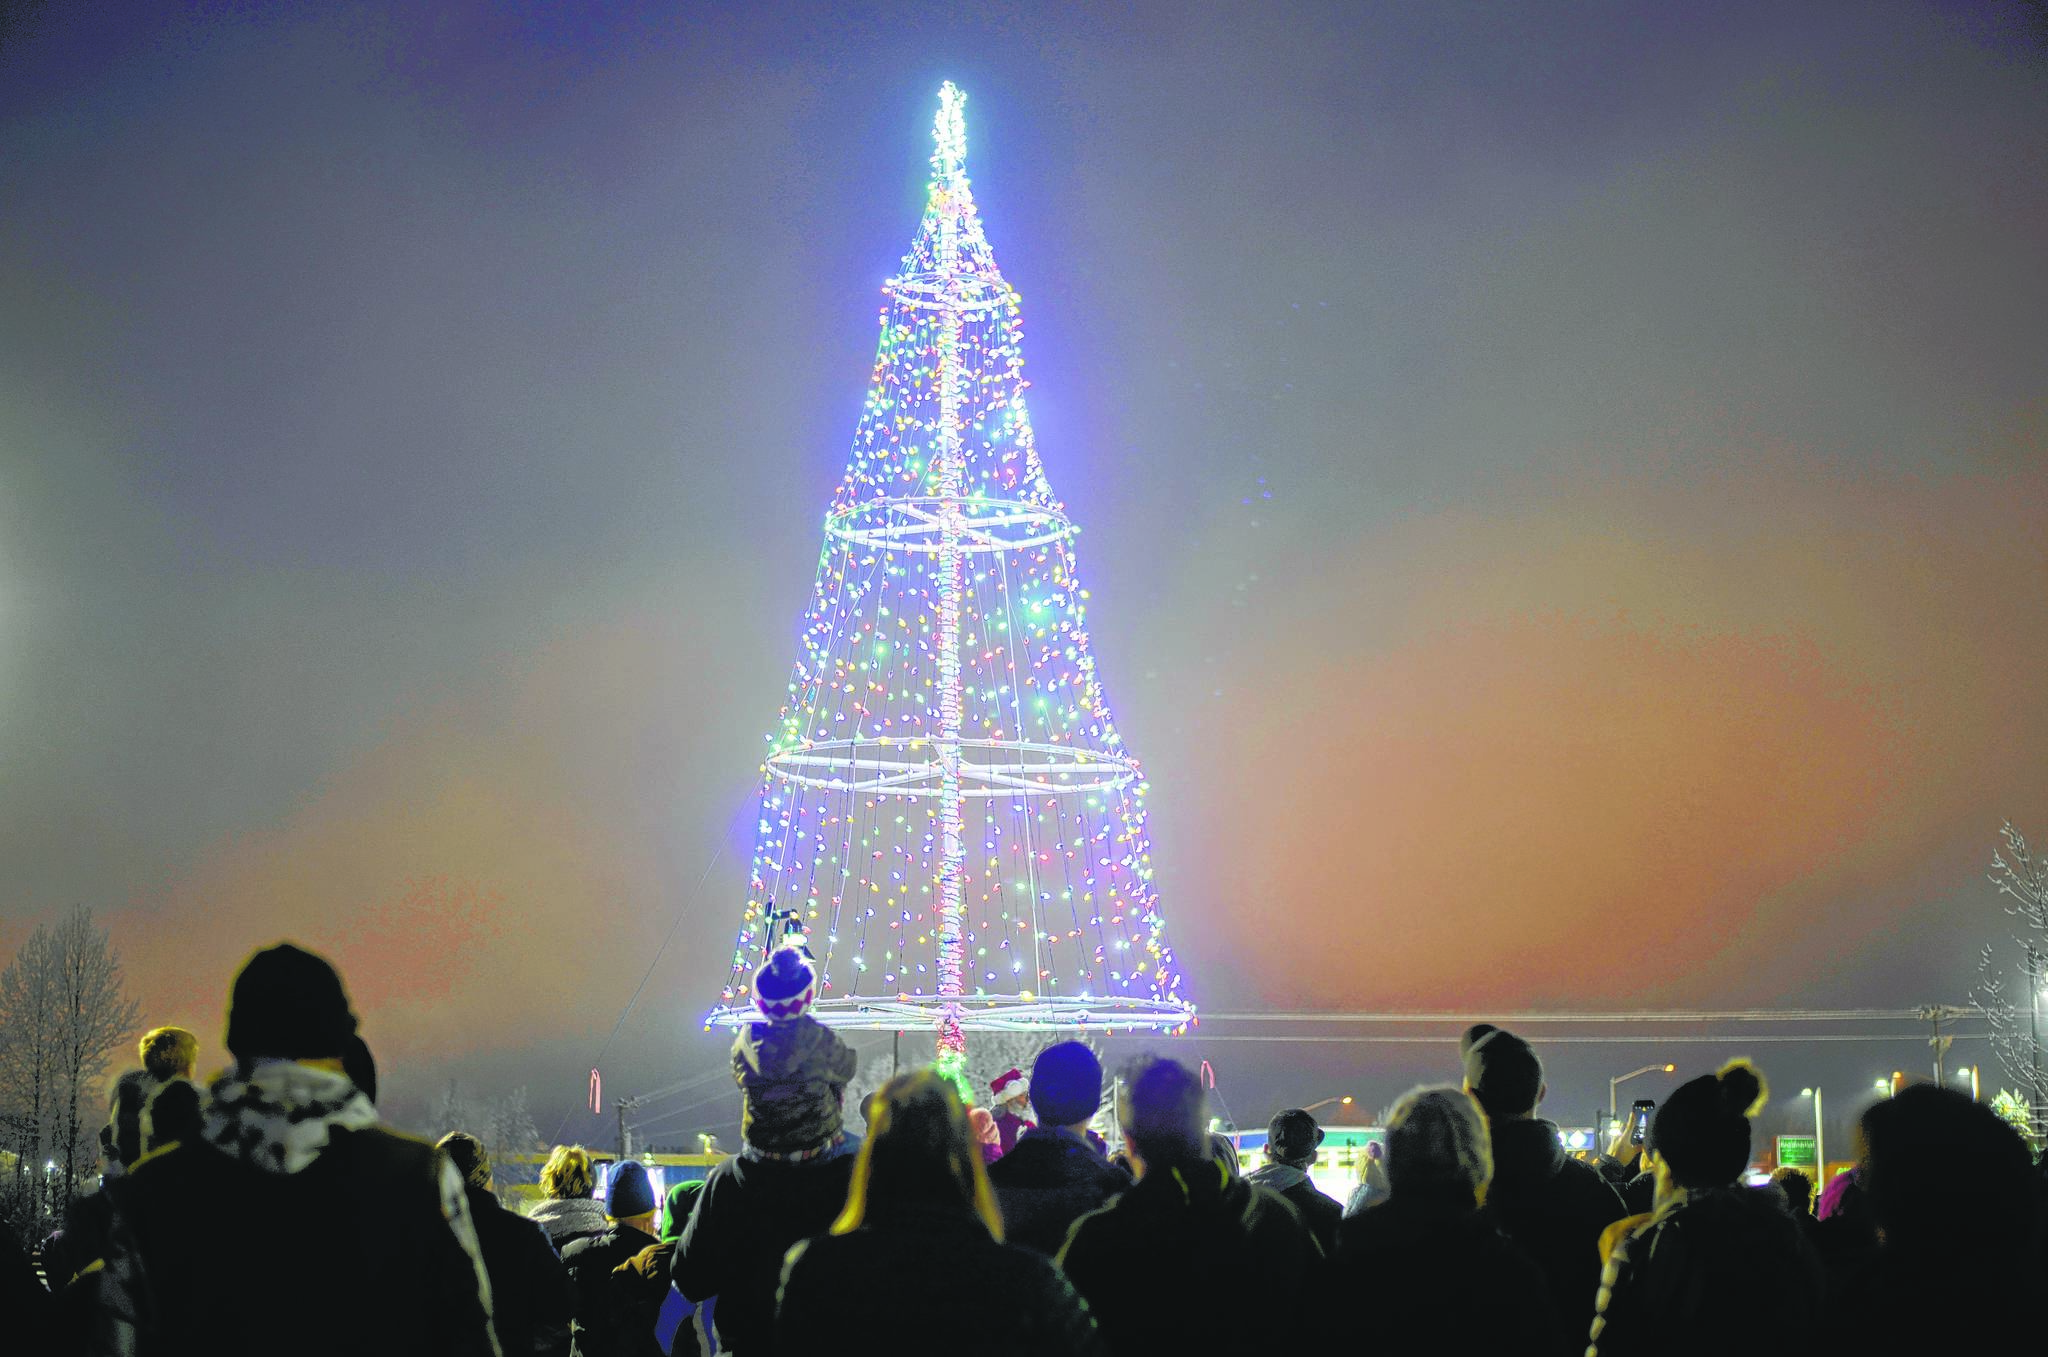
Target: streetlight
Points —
{"points": [[1968, 1074], [1883, 1088], [1345, 1100], [1820, 1155], [1615, 1083]]}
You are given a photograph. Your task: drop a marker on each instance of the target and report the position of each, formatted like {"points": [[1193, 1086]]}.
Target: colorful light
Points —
{"points": [[947, 809]]}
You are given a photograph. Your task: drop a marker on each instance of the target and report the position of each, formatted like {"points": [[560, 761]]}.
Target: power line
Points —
{"points": [[1464, 1019], [1738, 1039]]}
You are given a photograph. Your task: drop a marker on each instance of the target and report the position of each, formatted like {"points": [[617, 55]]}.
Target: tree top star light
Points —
{"points": [[949, 818]]}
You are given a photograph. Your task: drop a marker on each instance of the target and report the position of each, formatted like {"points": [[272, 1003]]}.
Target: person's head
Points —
{"points": [[1292, 1137], [629, 1198], [169, 1053], [1943, 1171], [1797, 1187], [676, 1207], [1160, 1105], [1701, 1135], [870, 1108], [921, 1154], [568, 1173], [288, 1004], [1010, 1091], [1438, 1147], [1502, 1072], [469, 1156], [1223, 1152], [786, 984], [1066, 1085], [131, 1096]]}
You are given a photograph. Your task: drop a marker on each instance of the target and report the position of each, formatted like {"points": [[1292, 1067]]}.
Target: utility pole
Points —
{"points": [[1938, 1016]]}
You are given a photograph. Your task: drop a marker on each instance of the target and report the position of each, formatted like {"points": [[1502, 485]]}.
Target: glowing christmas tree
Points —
{"points": [[948, 815]]}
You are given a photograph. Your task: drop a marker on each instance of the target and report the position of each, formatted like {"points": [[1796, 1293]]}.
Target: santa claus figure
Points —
{"points": [[1012, 1103]]}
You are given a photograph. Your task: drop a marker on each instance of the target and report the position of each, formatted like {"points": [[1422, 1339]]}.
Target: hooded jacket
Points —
{"points": [[1318, 1211], [294, 1223], [1166, 1267], [1049, 1180], [568, 1219], [1555, 1208]]}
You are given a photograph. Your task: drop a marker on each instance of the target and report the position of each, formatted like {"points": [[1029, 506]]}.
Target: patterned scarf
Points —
{"points": [[279, 1118]]}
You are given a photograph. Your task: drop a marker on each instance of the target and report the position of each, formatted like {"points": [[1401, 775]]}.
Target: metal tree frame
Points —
{"points": [[950, 282]]}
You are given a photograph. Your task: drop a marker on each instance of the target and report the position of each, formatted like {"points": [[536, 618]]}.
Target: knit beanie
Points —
{"points": [[786, 984], [631, 1194], [1501, 1070], [677, 1206], [1701, 1133], [288, 1004], [1292, 1137], [1066, 1084]]}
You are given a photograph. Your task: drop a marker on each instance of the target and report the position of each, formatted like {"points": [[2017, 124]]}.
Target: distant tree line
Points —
{"points": [[63, 1012]]}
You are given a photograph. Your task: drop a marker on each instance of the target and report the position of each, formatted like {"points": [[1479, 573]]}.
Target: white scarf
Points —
{"points": [[280, 1118]]}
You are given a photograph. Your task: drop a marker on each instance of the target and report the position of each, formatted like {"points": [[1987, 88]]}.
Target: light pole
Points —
{"points": [[1345, 1100], [1820, 1153], [1614, 1085]]}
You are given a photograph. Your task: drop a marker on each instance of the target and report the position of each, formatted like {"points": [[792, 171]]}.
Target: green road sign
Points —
{"points": [[1797, 1152]]}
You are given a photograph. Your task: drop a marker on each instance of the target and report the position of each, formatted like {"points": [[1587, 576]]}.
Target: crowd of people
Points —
{"points": [[274, 1212]]}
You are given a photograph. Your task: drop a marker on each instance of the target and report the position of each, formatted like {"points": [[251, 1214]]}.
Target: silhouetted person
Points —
{"points": [[531, 1302], [293, 1222], [920, 1206], [1718, 1267], [1011, 1094], [1190, 1259], [789, 1180], [1054, 1174], [1954, 1198], [568, 1209], [1292, 1138], [1373, 1187], [1427, 1269], [1552, 1205], [603, 1317]]}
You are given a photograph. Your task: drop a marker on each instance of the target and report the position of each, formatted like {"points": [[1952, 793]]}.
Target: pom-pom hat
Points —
{"points": [[1011, 1083], [1702, 1132], [785, 986]]}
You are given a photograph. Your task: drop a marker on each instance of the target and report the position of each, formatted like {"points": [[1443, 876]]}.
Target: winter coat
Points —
{"points": [[568, 1219], [1427, 1270], [294, 1224], [1050, 1180], [639, 1288], [792, 1075], [1319, 1212], [748, 1215], [601, 1329], [531, 1303], [1554, 1207], [1168, 1266], [1009, 1301], [171, 1114], [1717, 1271], [1010, 1127]]}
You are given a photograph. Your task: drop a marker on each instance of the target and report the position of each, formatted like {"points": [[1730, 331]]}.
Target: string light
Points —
{"points": [[947, 809]]}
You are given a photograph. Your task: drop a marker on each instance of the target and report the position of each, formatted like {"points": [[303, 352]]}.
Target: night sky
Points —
{"points": [[1563, 487]]}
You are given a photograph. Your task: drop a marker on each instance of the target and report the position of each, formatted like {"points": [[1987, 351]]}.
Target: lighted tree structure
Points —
{"points": [[948, 814]]}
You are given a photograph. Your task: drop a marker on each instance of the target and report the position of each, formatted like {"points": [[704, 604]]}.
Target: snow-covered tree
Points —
{"points": [[2019, 1028]]}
